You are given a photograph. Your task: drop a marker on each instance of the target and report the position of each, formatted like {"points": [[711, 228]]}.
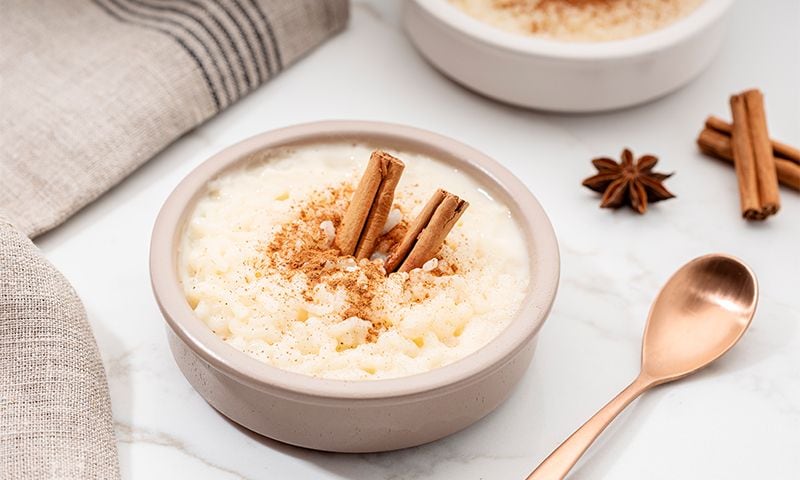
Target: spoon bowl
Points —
{"points": [[701, 312]]}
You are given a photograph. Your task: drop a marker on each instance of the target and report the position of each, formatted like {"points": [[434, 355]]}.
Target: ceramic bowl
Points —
{"points": [[565, 76], [354, 416]]}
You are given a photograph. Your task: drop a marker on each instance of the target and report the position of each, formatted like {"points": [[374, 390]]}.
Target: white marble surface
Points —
{"points": [[740, 419]]}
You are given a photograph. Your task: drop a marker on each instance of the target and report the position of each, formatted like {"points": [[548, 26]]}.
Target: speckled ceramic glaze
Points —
{"points": [[355, 416]]}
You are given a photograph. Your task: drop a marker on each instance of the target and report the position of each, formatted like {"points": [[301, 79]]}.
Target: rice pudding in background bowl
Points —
{"points": [[346, 357], [579, 20], [568, 55]]}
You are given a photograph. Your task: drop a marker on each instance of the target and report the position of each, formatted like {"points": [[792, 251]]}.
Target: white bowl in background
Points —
{"points": [[565, 76]]}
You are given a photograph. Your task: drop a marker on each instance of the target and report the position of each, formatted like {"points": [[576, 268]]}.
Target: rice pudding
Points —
{"points": [[260, 265], [579, 20]]}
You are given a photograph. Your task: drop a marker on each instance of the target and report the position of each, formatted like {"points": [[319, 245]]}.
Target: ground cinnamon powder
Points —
{"points": [[304, 247]]}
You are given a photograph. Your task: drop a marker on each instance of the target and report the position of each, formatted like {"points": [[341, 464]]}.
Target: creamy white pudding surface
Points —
{"points": [[258, 266], [579, 20]]}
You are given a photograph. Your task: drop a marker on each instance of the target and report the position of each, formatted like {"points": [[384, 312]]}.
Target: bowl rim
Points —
{"points": [[706, 13], [250, 371]]}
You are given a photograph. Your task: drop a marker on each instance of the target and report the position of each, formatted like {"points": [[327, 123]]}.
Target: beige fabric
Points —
{"points": [[90, 90], [53, 393]]}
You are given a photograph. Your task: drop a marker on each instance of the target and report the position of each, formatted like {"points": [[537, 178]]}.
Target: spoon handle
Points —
{"points": [[560, 462]]}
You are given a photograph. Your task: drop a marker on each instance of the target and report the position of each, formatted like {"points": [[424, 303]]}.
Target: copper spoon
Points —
{"points": [[702, 311]]}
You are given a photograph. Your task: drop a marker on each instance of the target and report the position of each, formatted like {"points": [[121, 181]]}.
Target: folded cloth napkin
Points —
{"points": [[55, 415], [89, 91]]}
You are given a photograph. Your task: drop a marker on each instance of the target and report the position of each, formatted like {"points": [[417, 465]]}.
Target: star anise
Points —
{"points": [[628, 182]]}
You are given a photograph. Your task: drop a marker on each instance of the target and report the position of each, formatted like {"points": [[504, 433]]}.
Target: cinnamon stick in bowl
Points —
{"points": [[427, 233], [369, 208]]}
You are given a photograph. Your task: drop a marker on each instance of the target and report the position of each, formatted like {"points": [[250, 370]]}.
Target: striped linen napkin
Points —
{"points": [[89, 91]]}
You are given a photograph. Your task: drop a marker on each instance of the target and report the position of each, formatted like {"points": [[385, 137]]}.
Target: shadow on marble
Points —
{"points": [[115, 357]]}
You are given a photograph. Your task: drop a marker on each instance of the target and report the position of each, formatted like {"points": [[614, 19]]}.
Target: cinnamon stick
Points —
{"points": [[744, 160], [369, 208], [426, 234], [715, 143], [766, 177], [779, 149], [407, 243]]}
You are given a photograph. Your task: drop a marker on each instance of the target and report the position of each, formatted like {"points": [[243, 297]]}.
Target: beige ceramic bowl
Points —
{"points": [[354, 416]]}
